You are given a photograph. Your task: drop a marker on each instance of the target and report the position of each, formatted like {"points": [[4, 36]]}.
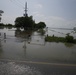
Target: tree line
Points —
{"points": [[28, 23], [2, 25], [25, 23]]}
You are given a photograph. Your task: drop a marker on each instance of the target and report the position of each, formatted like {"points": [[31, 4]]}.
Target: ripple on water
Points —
{"points": [[12, 68]]}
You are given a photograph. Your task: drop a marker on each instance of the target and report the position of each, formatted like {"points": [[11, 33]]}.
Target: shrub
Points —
{"points": [[69, 39]]}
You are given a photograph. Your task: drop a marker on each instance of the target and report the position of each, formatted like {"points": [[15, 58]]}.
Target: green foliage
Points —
{"points": [[9, 25], [28, 23], [2, 26], [69, 44], [41, 25], [69, 38], [54, 39], [25, 22], [1, 11]]}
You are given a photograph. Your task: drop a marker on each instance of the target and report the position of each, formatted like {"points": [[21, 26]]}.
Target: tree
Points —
{"points": [[19, 22], [1, 14], [41, 25], [69, 38], [25, 22], [28, 23]]}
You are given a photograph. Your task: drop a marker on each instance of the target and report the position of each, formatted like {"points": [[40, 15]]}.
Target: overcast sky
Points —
{"points": [[55, 13]]}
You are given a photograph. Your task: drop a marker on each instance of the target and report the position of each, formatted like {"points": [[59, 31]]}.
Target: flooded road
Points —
{"points": [[17, 47], [22, 54], [52, 52], [22, 68]]}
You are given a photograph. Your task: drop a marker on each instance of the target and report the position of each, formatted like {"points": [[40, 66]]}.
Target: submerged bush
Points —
{"points": [[69, 39], [41, 31], [54, 39]]}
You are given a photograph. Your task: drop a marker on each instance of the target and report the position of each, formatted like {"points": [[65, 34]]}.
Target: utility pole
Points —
{"points": [[25, 14]]}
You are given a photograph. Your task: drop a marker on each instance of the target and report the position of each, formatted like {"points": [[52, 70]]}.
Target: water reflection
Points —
{"points": [[1, 27], [24, 46], [0, 48], [23, 34], [69, 44], [7, 27], [29, 45], [30, 37]]}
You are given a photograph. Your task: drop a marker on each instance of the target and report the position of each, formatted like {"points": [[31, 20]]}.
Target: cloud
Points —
{"points": [[54, 21], [71, 23], [38, 16], [36, 12], [38, 6], [7, 19]]}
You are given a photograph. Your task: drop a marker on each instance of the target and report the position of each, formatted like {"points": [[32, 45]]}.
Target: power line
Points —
{"points": [[20, 3], [16, 3]]}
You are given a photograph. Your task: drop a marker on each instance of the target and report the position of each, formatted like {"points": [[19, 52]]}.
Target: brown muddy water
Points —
{"points": [[19, 45]]}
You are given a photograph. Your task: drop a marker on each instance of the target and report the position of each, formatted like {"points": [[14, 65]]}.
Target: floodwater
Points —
{"points": [[28, 54], [19, 45], [61, 32]]}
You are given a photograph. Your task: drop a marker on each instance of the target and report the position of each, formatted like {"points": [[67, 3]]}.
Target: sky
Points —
{"points": [[55, 13]]}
